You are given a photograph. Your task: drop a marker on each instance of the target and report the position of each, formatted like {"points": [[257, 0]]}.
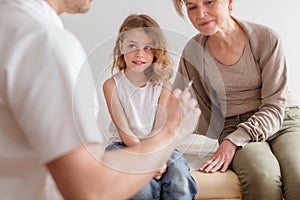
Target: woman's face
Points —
{"points": [[209, 16], [137, 47]]}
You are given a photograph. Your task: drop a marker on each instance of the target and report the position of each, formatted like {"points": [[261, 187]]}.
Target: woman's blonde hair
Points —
{"points": [[178, 4], [160, 69]]}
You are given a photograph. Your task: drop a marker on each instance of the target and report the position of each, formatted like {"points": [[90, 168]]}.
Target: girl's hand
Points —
{"points": [[160, 172], [221, 158]]}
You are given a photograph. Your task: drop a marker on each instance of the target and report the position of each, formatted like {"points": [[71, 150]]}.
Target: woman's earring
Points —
{"points": [[230, 7]]}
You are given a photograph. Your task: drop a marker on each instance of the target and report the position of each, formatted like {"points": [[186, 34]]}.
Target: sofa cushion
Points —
{"points": [[197, 149], [217, 185]]}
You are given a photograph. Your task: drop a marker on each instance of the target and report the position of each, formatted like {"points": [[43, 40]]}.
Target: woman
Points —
{"points": [[240, 81]]}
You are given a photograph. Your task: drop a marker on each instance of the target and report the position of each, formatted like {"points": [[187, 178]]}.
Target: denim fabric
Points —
{"points": [[176, 182]]}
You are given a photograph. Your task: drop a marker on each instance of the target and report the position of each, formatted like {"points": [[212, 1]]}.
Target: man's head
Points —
{"points": [[70, 6]]}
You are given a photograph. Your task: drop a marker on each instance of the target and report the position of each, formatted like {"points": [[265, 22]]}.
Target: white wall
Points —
{"points": [[97, 29], [99, 26]]}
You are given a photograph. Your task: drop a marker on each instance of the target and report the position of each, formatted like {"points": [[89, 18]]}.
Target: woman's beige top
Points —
{"points": [[258, 81]]}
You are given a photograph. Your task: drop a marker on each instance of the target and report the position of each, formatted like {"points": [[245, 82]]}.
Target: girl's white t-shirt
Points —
{"points": [[139, 104]]}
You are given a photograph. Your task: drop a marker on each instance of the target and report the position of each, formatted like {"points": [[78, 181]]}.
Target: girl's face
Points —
{"points": [[209, 16], [137, 48]]}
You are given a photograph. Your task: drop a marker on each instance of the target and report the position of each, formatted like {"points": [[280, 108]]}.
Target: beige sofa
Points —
{"points": [[217, 185], [211, 186]]}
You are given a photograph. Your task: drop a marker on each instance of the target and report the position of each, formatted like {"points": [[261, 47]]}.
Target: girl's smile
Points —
{"points": [[137, 48]]}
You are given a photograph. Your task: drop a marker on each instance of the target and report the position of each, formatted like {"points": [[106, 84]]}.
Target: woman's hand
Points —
{"points": [[221, 158]]}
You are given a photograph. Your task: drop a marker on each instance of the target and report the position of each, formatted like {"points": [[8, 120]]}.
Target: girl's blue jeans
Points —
{"points": [[176, 182]]}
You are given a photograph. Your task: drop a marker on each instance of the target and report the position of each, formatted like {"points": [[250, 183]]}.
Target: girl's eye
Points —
{"points": [[148, 48], [132, 46]]}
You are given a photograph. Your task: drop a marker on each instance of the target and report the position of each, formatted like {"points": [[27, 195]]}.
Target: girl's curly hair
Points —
{"points": [[160, 69]]}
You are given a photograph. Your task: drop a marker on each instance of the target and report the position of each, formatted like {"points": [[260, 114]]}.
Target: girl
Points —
{"points": [[135, 97]]}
